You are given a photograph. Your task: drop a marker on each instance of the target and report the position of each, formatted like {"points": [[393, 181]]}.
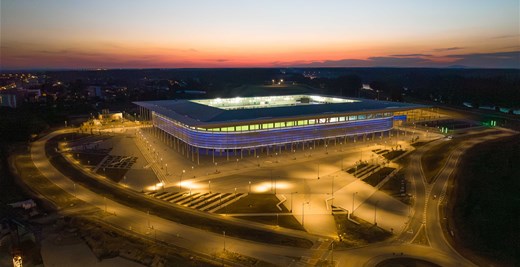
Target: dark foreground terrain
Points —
{"points": [[486, 213]]}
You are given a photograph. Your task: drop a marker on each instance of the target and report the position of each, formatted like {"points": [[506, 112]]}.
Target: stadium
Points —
{"points": [[270, 123]]}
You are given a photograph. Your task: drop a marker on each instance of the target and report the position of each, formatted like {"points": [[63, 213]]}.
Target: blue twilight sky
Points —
{"points": [[128, 34]]}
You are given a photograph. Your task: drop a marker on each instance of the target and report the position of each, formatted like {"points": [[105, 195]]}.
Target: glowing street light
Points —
{"points": [[180, 180]]}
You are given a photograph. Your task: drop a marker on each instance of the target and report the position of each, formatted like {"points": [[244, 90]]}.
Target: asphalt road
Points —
{"points": [[425, 215]]}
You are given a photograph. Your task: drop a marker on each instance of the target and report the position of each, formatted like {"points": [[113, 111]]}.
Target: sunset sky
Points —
{"points": [[182, 34]]}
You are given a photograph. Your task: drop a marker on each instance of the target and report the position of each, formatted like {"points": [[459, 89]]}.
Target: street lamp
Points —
{"points": [[257, 161], [375, 213], [303, 212], [353, 194], [318, 171], [209, 186], [292, 199], [249, 187], [166, 168], [237, 165], [180, 180], [224, 233], [148, 218], [216, 169]]}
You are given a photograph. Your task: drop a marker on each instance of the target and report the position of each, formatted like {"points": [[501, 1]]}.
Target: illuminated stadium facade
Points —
{"points": [[248, 123]]}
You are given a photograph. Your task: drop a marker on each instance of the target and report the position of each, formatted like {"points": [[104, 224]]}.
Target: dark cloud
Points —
{"points": [[447, 49], [411, 55], [506, 36], [485, 60], [489, 60], [372, 62]]}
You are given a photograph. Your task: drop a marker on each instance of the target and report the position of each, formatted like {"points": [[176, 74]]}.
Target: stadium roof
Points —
{"points": [[200, 113]]}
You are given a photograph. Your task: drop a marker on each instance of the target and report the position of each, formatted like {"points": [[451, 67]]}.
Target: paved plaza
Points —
{"points": [[305, 179]]}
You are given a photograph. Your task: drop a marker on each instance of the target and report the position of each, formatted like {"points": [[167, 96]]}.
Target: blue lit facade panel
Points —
{"points": [[250, 139]]}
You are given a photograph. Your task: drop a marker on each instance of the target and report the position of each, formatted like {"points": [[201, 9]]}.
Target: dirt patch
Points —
{"points": [[393, 154], [375, 178], [398, 187], [352, 234]]}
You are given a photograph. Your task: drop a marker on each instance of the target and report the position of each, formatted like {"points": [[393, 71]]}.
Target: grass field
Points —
{"points": [[487, 207], [353, 235], [406, 262], [375, 178]]}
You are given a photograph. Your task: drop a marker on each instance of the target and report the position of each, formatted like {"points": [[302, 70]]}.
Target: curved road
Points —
{"points": [[424, 218]]}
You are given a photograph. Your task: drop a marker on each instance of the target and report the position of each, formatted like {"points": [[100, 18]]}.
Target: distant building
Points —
{"points": [[10, 98], [94, 91]]}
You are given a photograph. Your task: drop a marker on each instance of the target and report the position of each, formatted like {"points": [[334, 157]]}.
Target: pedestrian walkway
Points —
{"points": [[208, 202]]}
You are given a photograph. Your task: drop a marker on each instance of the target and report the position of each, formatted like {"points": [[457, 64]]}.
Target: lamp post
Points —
{"points": [[292, 199], [166, 168], [209, 186], [180, 180], [237, 164], [303, 213], [353, 194], [375, 213], [257, 161], [318, 171], [161, 163], [224, 233], [249, 191], [191, 198], [216, 169], [332, 194]]}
